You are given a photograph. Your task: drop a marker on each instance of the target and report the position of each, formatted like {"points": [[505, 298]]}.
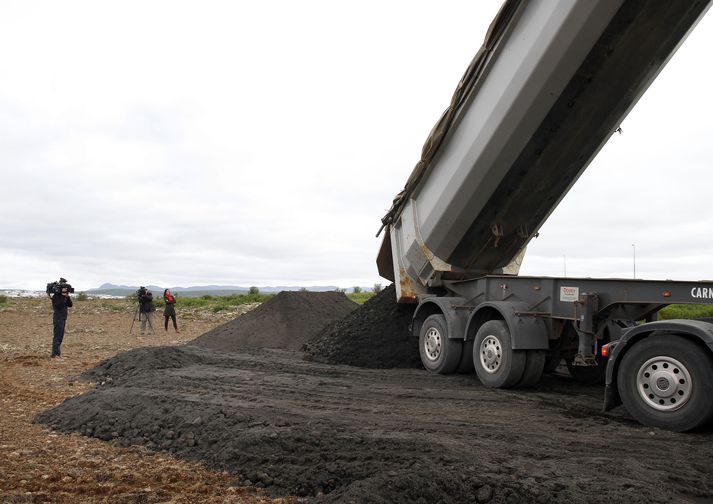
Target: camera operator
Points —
{"points": [[60, 302], [146, 308]]}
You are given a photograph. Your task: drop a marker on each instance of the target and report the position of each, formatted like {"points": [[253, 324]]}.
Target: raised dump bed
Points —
{"points": [[550, 85]]}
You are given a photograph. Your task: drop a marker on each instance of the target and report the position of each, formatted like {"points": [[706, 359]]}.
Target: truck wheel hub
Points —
{"points": [[664, 383], [491, 354], [432, 344]]}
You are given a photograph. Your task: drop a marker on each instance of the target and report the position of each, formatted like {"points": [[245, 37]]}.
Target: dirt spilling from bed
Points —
{"points": [[376, 335]]}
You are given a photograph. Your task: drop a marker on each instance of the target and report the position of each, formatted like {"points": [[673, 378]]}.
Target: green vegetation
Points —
{"points": [[360, 297], [377, 288], [82, 296], [218, 303], [3, 299], [686, 311], [356, 289]]}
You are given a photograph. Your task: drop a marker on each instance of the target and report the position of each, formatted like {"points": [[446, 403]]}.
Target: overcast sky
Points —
{"points": [[259, 143]]}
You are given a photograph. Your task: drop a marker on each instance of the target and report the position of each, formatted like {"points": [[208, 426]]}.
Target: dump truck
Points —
{"points": [[551, 83]]}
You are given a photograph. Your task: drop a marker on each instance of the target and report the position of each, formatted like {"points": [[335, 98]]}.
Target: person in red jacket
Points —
{"points": [[169, 310]]}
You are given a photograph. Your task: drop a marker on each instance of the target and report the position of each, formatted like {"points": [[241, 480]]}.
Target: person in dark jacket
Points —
{"points": [[146, 308], [170, 310], [60, 302]]}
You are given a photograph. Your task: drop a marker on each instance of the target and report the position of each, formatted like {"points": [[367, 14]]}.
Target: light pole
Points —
{"points": [[633, 246], [564, 263]]}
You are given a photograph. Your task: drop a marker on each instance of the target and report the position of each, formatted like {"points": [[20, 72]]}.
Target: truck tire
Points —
{"points": [[439, 353], [496, 363], [534, 367], [665, 381]]}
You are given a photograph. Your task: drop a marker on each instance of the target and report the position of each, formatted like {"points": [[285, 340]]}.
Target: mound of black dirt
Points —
{"points": [[133, 362], [344, 434], [274, 421], [286, 321], [376, 335]]}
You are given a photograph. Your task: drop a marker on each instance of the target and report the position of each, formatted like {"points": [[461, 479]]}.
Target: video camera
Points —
{"points": [[141, 293], [56, 287]]}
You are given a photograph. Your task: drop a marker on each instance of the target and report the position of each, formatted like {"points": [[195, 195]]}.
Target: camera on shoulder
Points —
{"points": [[58, 286], [142, 294]]}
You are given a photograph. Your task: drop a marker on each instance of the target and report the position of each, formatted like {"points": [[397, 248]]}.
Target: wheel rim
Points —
{"points": [[664, 383], [432, 344], [491, 354]]}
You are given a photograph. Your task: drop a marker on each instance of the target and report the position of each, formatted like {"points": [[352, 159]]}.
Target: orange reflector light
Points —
{"points": [[666, 294], [605, 350]]}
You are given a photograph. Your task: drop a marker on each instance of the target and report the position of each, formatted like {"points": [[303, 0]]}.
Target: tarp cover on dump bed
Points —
{"points": [[465, 86]]}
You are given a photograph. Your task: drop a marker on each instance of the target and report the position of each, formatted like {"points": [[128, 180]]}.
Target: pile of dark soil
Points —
{"points": [[345, 434], [376, 335], [286, 321]]}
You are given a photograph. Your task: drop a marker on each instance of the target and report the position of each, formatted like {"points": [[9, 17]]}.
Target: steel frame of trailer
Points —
{"points": [[539, 311]]}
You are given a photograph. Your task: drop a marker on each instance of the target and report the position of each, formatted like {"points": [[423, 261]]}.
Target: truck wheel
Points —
{"points": [[439, 353], [496, 363], [665, 381], [534, 366]]}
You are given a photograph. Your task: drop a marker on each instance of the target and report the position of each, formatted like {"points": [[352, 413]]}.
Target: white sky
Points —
{"points": [[259, 143]]}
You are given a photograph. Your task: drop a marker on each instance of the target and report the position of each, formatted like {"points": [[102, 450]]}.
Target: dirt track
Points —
{"points": [[335, 433]]}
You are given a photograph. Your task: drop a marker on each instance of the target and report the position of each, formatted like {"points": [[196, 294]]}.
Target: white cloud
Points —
{"points": [[260, 143]]}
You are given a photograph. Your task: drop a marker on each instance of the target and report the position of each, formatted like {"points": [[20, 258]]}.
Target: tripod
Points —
{"points": [[137, 315]]}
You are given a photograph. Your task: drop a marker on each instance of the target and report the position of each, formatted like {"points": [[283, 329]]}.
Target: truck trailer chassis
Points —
{"points": [[512, 329]]}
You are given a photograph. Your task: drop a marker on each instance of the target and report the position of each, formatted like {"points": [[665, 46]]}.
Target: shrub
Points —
{"points": [[3, 299], [82, 296], [684, 311], [360, 297], [377, 288], [253, 290], [356, 289]]}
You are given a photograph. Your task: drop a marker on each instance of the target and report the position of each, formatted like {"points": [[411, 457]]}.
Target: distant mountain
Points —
{"points": [[199, 290]]}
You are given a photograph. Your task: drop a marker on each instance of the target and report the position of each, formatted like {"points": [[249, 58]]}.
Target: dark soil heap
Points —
{"points": [[286, 321], [376, 335]]}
